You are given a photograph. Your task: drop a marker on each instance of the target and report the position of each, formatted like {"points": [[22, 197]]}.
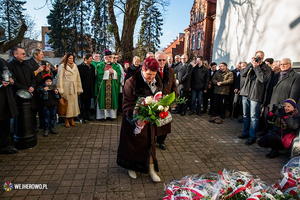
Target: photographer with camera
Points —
{"points": [[285, 120], [256, 74]]}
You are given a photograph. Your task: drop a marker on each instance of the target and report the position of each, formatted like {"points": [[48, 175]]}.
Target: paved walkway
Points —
{"points": [[80, 162]]}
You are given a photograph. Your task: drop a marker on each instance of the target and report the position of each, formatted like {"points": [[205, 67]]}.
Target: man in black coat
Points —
{"points": [[234, 88], [39, 68], [87, 76], [199, 84], [23, 76], [183, 80], [8, 110], [210, 90], [287, 84]]}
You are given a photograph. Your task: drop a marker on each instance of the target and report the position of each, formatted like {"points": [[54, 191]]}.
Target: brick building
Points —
{"points": [[176, 47], [199, 36]]}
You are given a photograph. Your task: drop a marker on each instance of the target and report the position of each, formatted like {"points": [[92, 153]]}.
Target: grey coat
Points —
{"points": [[287, 87], [183, 75], [255, 79]]}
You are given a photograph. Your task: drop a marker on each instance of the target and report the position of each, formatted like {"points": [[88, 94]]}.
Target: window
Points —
{"points": [[193, 42], [199, 41]]}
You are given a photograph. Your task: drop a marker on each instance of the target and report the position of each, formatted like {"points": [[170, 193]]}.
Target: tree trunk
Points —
{"points": [[16, 40], [125, 46]]}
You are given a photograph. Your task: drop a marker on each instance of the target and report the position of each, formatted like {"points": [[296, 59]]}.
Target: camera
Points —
{"points": [[277, 107], [257, 59]]}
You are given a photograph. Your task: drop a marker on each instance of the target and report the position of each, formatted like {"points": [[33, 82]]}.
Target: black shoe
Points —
{"points": [[82, 121], [36, 130], [199, 114], [191, 112], [249, 142], [12, 150], [204, 111], [45, 134], [102, 120], [88, 118], [272, 154], [162, 146], [243, 136], [52, 131], [175, 112], [111, 119], [182, 113], [263, 133], [222, 117]]}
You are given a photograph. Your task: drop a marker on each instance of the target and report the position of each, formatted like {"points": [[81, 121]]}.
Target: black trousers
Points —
{"points": [[85, 105], [4, 133], [220, 105], [161, 139], [271, 140]]}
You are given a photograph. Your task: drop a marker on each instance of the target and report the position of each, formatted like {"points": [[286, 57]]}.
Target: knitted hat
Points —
{"points": [[46, 77], [126, 61], [107, 52], [291, 101]]}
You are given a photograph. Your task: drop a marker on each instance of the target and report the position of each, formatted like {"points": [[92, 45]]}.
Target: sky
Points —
{"points": [[176, 18]]}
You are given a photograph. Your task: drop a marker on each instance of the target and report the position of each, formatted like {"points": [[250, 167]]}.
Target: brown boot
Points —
{"points": [[67, 122], [72, 121]]}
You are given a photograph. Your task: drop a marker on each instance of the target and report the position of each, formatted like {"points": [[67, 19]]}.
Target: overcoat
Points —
{"points": [[134, 150], [7, 101], [169, 86], [87, 77], [24, 79], [226, 78], [183, 74], [69, 86], [287, 87]]}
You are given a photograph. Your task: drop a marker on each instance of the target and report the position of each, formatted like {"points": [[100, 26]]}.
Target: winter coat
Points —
{"points": [[199, 78], [69, 86], [134, 150], [130, 71], [256, 77], [34, 66], [169, 86], [48, 98], [226, 78], [183, 75], [24, 79], [87, 77], [7, 101], [287, 87]]}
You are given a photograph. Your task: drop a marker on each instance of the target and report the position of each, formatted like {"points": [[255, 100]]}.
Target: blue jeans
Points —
{"points": [[49, 118], [251, 111], [198, 95]]}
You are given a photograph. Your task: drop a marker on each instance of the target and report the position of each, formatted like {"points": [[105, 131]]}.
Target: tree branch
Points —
{"points": [[16, 40]]}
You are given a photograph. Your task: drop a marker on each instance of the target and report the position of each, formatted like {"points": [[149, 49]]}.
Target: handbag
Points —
{"points": [[166, 120], [62, 106], [287, 140]]}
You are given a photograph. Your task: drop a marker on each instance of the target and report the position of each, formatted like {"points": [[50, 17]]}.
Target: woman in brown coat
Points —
{"points": [[137, 152], [169, 85], [69, 86]]}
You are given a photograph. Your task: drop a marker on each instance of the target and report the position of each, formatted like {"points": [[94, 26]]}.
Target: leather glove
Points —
{"points": [[274, 108], [282, 112]]}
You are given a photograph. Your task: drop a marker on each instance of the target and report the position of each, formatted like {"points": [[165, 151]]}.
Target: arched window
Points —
{"points": [[193, 42], [199, 41]]}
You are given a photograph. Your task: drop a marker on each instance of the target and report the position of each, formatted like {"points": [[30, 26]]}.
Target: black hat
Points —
{"points": [[107, 52], [46, 77]]}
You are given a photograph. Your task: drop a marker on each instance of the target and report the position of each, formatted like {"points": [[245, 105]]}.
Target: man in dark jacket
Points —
{"points": [[257, 73], [39, 68], [183, 81], [234, 88], [24, 77], [199, 83], [287, 83], [177, 62], [222, 80], [8, 110], [87, 76]]}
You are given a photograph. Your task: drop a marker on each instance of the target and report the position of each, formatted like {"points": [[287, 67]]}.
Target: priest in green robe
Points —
{"points": [[107, 87]]}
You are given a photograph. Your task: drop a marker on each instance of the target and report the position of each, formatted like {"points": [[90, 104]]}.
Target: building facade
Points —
{"points": [[199, 35], [176, 47]]}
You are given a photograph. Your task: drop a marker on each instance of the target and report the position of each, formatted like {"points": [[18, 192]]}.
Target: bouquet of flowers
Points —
{"points": [[152, 109]]}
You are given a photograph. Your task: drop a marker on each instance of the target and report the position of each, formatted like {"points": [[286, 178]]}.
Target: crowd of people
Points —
{"points": [[254, 90]]}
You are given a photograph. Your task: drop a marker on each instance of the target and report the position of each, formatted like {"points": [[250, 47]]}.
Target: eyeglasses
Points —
{"points": [[116, 58], [161, 60]]}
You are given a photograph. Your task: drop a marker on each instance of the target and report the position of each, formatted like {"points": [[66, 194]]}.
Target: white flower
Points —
{"points": [[166, 108], [148, 100], [160, 108]]}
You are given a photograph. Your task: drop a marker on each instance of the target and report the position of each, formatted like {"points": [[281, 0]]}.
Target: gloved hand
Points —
{"points": [[282, 112], [274, 108]]}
